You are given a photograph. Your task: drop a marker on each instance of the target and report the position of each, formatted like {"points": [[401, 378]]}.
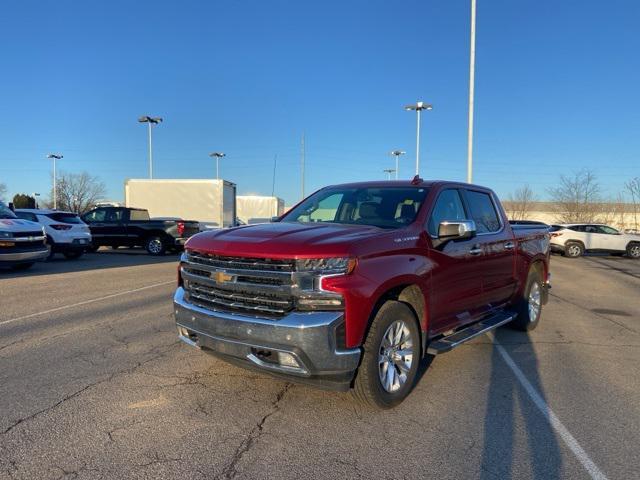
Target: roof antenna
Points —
{"points": [[416, 180]]}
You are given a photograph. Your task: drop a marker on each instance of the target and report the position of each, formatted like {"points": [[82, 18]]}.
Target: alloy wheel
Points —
{"points": [[395, 356], [534, 301]]}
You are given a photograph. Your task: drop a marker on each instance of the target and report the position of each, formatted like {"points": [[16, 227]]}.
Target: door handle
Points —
{"points": [[475, 250], [509, 246]]}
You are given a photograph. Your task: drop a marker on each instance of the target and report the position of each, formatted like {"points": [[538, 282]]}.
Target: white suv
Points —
{"points": [[66, 232], [572, 240]]}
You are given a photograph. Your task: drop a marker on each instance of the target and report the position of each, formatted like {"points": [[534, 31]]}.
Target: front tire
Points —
{"points": [[633, 251], [72, 255], [529, 307], [391, 357], [573, 250], [155, 246]]}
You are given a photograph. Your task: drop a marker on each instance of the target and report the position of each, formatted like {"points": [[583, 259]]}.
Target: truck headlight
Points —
{"points": [[326, 266]]}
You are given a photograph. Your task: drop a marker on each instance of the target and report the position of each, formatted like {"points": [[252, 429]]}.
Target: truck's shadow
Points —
{"points": [[511, 416], [103, 259]]}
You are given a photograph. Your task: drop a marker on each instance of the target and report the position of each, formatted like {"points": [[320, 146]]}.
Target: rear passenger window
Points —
{"points": [[483, 212], [448, 208]]}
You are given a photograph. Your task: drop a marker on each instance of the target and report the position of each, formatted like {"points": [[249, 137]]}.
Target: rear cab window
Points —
{"points": [[138, 215], [483, 211]]}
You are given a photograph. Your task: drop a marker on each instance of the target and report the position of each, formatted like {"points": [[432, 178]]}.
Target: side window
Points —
{"points": [[115, 215], [577, 228], [138, 215], [483, 212], [591, 229], [607, 230], [448, 207], [97, 215]]}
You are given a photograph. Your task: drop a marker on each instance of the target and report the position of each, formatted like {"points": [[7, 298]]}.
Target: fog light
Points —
{"points": [[287, 360]]}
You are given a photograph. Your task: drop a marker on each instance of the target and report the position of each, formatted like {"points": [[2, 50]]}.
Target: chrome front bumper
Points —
{"points": [[23, 257], [309, 338]]}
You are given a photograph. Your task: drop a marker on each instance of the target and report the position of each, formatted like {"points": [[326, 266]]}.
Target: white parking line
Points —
{"points": [[86, 302], [546, 411]]}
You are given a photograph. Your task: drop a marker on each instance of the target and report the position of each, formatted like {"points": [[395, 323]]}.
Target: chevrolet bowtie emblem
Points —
{"points": [[223, 277]]}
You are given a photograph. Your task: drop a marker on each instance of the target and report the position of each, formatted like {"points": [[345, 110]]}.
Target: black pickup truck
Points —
{"points": [[131, 227]]}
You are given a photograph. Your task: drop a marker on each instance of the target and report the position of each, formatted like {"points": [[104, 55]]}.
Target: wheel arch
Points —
{"points": [[409, 293]]}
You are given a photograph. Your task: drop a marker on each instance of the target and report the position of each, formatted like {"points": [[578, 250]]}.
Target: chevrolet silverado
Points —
{"points": [[357, 283]]}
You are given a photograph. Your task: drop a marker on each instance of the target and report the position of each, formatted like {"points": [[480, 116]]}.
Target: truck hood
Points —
{"points": [[286, 240], [19, 225]]}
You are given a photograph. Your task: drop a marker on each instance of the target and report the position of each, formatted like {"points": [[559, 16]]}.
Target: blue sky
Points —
{"points": [[556, 90]]}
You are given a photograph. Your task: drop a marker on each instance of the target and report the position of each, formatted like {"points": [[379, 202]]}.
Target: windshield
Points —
{"points": [[384, 207], [5, 212]]}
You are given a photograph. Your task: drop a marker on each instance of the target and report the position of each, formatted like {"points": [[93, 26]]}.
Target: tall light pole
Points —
{"points": [[418, 107], [150, 121], [388, 171], [217, 156], [472, 77], [397, 153], [54, 157]]}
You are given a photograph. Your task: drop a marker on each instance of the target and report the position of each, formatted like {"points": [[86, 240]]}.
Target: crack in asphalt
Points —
{"points": [[156, 352], [231, 471], [604, 317]]}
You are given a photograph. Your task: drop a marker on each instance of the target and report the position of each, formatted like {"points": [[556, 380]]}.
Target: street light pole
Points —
{"points": [[388, 171], [217, 156], [54, 157], [150, 121], [418, 107], [472, 75], [397, 153]]}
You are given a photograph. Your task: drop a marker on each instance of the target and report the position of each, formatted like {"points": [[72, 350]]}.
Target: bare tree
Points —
{"points": [[577, 199], [633, 189], [3, 191], [78, 192], [519, 204]]}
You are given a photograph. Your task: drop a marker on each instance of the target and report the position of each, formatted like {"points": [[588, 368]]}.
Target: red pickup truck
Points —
{"points": [[358, 282]]}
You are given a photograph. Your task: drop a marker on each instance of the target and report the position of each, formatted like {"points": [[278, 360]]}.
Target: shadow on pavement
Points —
{"points": [[511, 414], [103, 259]]}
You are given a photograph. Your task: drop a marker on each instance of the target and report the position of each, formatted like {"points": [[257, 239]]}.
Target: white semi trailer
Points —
{"points": [[210, 202], [258, 209]]}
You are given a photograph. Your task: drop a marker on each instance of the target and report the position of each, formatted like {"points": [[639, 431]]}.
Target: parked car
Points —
{"points": [[22, 243], [358, 282], [66, 232], [573, 240], [131, 227]]}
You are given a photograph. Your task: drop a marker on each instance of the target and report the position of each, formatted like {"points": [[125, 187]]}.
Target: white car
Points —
{"points": [[573, 240], [22, 243], [66, 232]]}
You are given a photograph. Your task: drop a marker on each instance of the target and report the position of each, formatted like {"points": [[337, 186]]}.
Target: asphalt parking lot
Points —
{"points": [[95, 384]]}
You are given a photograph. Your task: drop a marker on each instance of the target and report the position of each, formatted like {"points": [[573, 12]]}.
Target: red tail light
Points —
{"points": [[180, 228], [57, 226]]}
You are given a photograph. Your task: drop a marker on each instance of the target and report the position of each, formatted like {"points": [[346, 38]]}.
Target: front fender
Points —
{"points": [[367, 286]]}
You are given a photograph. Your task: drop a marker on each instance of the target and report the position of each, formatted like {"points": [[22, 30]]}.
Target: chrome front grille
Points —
{"points": [[242, 285]]}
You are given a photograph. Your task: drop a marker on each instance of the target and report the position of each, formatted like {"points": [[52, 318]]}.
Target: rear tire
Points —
{"points": [[93, 248], [633, 251], [391, 357], [529, 307], [573, 250], [155, 246]]}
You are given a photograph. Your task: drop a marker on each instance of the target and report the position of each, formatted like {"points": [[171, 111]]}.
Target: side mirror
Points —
{"points": [[459, 230], [275, 219]]}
